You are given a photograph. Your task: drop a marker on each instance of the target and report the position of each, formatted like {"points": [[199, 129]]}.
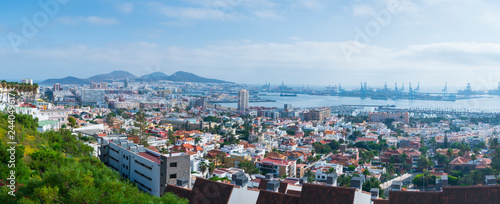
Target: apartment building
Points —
{"points": [[277, 166], [317, 114], [150, 170], [398, 117], [234, 159]]}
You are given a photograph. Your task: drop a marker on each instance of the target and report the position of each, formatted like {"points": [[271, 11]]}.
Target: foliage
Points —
{"points": [[249, 167], [420, 181], [211, 119], [373, 183], [58, 168]]}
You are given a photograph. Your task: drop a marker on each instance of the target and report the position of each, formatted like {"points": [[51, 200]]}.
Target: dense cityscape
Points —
{"points": [[250, 102], [174, 138]]}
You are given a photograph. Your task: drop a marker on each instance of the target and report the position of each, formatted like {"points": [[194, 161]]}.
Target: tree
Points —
{"points": [[248, 167], [424, 180], [445, 142], [197, 140], [110, 119], [203, 167], [351, 168], [309, 175], [474, 157], [72, 121], [449, 152], [211, 168], [424, 163], [331, 170], [373, 183], [366, 173], [141, 128]]}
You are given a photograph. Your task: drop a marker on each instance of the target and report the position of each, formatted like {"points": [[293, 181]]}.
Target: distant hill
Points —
{"points": [[155, 76], [67, 80], [179, 76], [115, 75]]}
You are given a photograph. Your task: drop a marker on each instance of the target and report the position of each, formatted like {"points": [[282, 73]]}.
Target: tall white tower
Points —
{"points": [[243, 99]]}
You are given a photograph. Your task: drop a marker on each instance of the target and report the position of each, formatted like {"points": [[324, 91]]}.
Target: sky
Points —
{"points": [[300, 42]]}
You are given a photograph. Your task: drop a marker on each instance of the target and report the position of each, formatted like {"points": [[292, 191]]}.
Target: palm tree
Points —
{"points": [[309, 175], [197, 140], [449, 152], [474, 157], [331, 170], [203, 167], [211, 168]]}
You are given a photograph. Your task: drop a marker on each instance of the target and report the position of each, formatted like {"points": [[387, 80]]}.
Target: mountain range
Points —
{"points": [[179, 76]]}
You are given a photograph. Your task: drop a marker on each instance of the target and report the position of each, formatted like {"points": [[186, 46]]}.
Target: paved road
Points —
{"points": [[322, 158], [403, 177]]}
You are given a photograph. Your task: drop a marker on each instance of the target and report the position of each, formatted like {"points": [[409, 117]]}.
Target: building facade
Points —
{"points": [[150, 170], [382, 117], [243, 99]]}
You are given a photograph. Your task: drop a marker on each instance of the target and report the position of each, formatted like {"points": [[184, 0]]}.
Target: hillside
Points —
{"points": [[56, 167], [67, 80], [155, 76], [179, 76], [115, 75]]}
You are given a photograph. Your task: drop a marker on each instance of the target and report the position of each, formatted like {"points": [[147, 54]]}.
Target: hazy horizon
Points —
{"points": [[315, 42]]}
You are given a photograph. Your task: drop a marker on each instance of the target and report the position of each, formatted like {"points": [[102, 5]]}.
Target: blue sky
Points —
{"points": [[316, 42]]}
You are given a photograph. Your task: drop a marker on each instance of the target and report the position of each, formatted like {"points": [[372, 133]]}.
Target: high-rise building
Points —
{"points": [[93, 96], [27, 81], [243, 99], [125, 83], [57, 87]]}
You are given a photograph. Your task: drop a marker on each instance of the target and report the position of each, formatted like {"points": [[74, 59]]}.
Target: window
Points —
{"points": [[173, 164], [123, 165], [124, 156], [173, 176]]}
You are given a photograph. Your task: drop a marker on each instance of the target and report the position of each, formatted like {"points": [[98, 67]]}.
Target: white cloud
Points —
{"points": [[362, 10], [268, 14], [195, 13], [127, 7], [94, 20], [310, 4], [301, 61]]}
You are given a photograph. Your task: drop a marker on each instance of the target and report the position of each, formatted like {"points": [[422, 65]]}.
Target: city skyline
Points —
{"points": [[310, 42]]}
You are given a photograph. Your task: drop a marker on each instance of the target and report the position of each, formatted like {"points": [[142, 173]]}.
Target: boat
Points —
{"points": [[288, 94]]}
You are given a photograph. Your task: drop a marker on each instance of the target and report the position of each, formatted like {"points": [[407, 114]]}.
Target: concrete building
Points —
{"points": [[93, 96], [150, 170], [278, 167], [234, 159], [27, 81], [243, 99], [382, 117], [317, 114]]}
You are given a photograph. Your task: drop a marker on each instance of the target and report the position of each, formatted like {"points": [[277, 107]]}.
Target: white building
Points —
{"points": [[150, 170], [231, 149], [243, 99]]}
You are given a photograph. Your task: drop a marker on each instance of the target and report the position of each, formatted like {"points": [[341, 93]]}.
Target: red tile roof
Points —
{"points": [[150, 156]]}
